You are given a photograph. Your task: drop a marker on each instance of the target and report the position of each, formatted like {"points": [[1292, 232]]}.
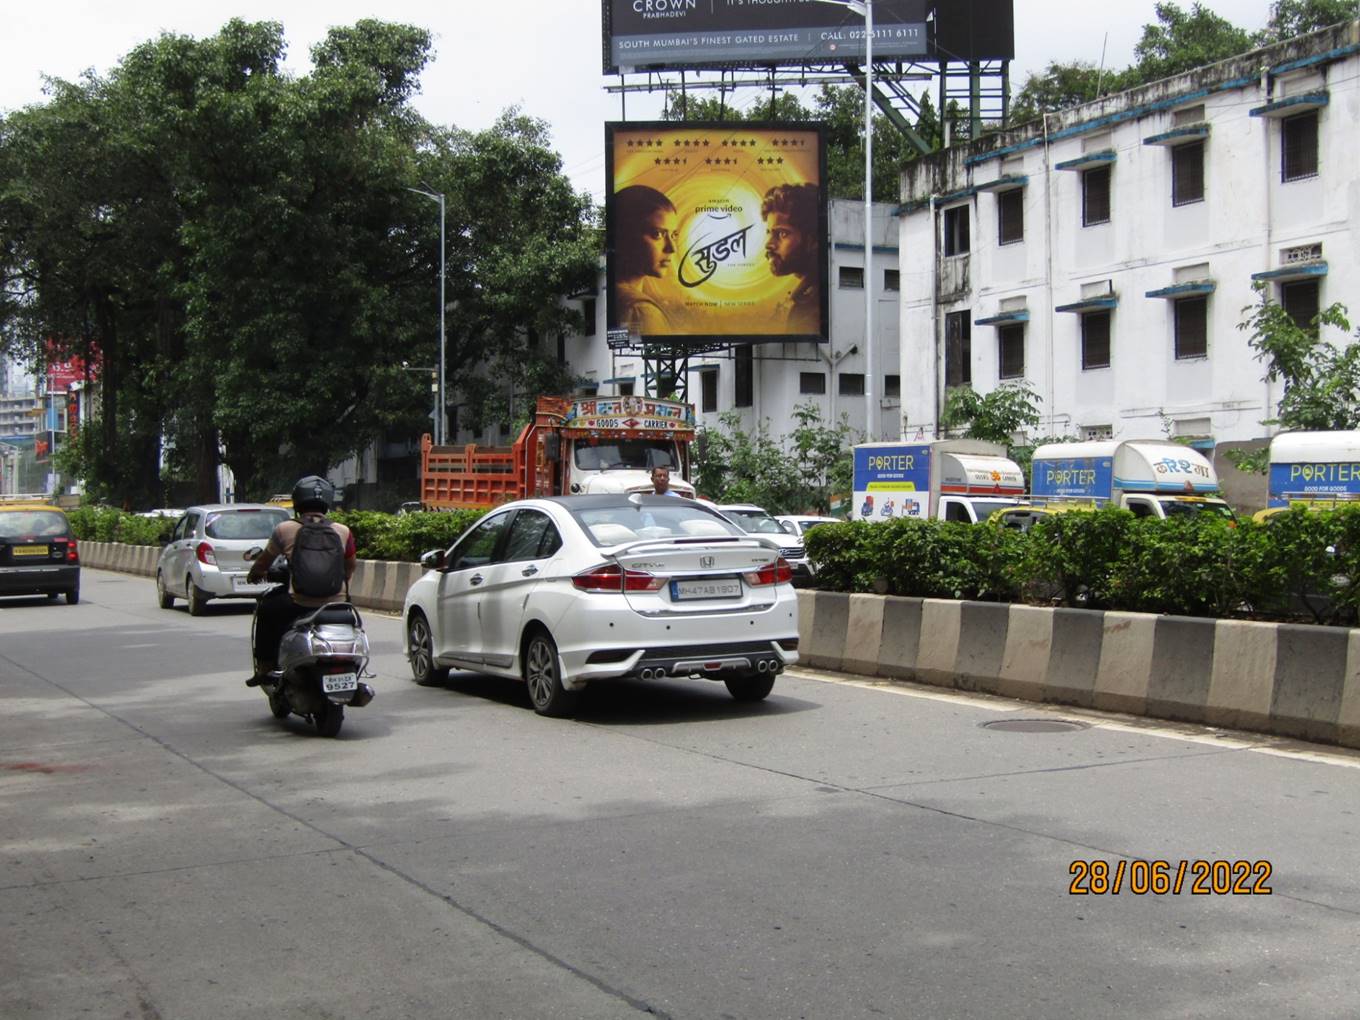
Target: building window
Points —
{"points": [[626, 388], [1010, 216], [588, 312], [892, 279], [1187, 173], [892, 386], [1299, 146], [956, 230], [851, 277], [1192, 327], [1300, 299], [742, 377], [812, 382], [1094, 433], [1095, 340], [1095, 196], [850, 384], [958, 348], [708, 389], [1010, 341]]}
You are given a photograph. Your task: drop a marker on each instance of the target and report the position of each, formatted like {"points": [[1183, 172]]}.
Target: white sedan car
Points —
{"points": [[564, 591]]}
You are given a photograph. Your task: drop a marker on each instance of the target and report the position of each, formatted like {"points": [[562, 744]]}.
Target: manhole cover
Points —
{"points": [[1034, 725]]}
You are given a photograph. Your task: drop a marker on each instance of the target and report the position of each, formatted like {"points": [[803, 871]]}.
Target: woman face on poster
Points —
{"points": [[647, 226]]}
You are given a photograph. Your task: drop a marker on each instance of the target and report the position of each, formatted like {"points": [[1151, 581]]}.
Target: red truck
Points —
{"points": [[572, 446]]}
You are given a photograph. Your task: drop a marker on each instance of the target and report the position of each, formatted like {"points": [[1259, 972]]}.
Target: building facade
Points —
{"points": [[764, 382], [1105, 255]]}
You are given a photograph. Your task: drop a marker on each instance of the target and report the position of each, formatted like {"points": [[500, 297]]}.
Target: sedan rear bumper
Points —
{"points": [[705, 660]]}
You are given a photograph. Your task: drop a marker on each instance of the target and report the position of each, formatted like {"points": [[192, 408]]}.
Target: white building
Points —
{"points": [[1105, 254], [765, 382]]}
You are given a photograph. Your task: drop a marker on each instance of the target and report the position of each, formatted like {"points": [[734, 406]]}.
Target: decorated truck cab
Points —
{"points": [[572, 446]]}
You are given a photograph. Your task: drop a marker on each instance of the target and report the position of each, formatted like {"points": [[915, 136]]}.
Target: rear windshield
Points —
{"points": [[27, 524], [663, 518], [244, 524]]}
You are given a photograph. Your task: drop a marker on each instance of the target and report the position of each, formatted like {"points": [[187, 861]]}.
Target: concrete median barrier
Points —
{"points": [[1285, 679]]}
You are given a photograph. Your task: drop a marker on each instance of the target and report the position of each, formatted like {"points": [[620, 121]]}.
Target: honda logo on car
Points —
{"points": [[707, 561]]}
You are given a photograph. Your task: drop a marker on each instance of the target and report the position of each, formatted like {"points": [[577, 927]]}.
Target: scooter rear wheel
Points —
{"points": [[329, 719]]}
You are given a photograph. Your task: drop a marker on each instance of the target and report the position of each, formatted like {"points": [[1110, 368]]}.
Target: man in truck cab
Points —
{"points": [[661, 481]]}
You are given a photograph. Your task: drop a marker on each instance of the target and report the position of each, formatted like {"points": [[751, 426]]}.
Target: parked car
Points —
{"points": [[565, 591], [756, 521], [38, 553], [205, 558]]}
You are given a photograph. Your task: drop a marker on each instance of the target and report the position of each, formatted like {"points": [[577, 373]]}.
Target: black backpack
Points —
{"points": [[318, 560]]}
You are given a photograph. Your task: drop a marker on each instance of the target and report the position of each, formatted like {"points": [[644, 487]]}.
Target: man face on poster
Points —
{"points": [[790, 214]]}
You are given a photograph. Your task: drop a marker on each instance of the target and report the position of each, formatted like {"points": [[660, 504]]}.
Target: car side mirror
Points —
{"points": [[789, 528], [433, 560]]}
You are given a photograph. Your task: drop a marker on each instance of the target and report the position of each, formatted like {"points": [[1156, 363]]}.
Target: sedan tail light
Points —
{"points": [[778, 572], [613, 578], [205, 553]]}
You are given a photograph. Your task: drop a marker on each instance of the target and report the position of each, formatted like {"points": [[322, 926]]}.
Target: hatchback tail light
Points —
{"points": [[778, 572], [72, 555], [613, 578], [205, 553]]}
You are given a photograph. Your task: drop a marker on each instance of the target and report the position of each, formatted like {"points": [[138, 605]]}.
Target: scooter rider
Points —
{"points": [[312, 500]]}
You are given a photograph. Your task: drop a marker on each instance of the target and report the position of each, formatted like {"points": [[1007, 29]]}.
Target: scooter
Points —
{"points": [[323, 661]]}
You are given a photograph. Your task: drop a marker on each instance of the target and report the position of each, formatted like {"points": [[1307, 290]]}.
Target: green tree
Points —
{"points": [[996, 416], [1289, 18], [1183, 40], [239, 249], [1321, 379]]}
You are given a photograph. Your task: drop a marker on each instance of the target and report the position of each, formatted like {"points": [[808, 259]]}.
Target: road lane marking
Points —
{"points": [[1237, 740]]}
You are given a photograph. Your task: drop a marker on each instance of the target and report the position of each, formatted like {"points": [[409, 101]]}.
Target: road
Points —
{"points": [[843, 850]]}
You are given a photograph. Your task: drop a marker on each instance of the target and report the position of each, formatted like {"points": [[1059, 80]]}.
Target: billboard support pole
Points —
{"points": [[865, 9]]}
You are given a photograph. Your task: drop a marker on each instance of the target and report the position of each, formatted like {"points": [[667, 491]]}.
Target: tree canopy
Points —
{"points": [[237, 249], [1177, 41]]}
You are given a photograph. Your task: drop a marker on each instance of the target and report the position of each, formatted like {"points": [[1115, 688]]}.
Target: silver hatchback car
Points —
{"points": [[206, 556]]}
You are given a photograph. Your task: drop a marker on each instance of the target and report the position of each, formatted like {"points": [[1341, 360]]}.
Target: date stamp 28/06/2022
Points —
{"points": [[1198, 877]]}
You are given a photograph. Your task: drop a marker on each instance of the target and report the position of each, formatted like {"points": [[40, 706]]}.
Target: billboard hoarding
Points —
{"points": [[891, 480], [716, 232], [692, 34]]}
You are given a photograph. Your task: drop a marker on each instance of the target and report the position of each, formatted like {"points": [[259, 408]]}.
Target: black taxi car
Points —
{"points": [[38, 554]]}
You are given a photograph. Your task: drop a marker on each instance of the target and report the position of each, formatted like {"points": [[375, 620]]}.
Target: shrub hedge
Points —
{"points": [[377, 536], [1301, 565]]}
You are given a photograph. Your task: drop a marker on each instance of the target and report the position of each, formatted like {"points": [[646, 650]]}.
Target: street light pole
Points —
{"points": [[442, 408], [865, 9]]}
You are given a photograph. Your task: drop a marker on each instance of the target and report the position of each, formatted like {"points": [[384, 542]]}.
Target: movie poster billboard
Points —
{"points": [[642, 34], [716, 231]]}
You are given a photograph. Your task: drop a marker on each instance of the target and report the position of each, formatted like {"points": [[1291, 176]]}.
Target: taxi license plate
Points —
{"points": [[28, 551], [338, 683], [708, 588]]}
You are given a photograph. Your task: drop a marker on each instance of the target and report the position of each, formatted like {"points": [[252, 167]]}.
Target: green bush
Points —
{"points": [[1302, 565], [109, 524], [380, 536]]}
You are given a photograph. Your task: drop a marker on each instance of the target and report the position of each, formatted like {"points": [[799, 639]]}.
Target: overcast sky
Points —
{"points": [[544, 55]]}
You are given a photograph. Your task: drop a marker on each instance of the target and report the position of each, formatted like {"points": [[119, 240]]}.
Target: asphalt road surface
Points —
{"points": [[843, 850]]}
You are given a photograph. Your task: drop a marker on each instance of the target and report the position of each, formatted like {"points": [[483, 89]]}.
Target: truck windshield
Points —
{"points": [[1172, 507], [638, 454]]}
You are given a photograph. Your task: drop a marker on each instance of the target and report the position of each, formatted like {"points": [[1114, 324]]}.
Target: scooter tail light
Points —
{"points": [[613, 578], [205, 553]]}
